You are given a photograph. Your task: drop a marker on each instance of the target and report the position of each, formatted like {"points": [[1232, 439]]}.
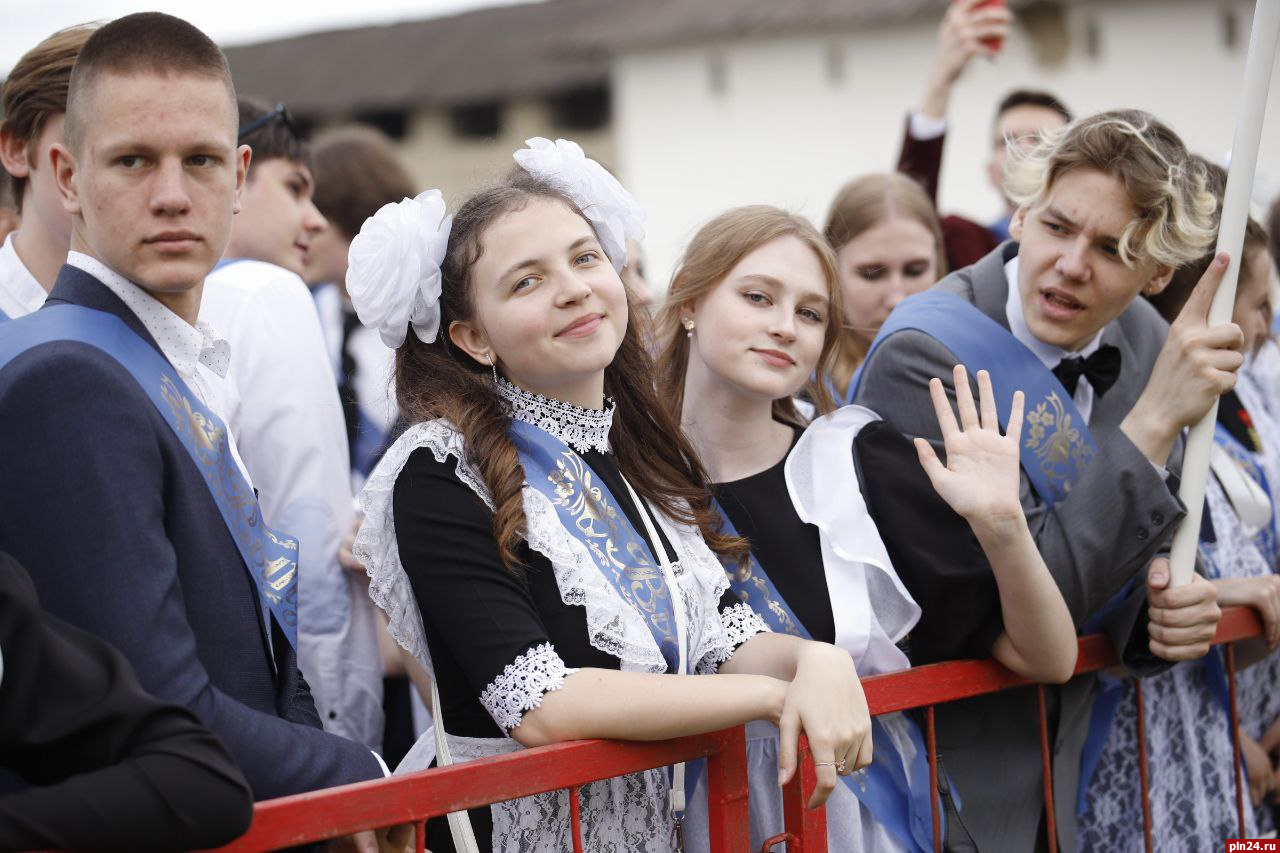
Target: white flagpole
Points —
{"points": [[1235, 213]]}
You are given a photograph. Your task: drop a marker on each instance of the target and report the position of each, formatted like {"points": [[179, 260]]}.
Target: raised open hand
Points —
{"points": [[980, 479]]}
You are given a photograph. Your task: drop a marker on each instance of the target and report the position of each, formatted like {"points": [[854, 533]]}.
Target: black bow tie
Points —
{"points": [[1102, 369]]}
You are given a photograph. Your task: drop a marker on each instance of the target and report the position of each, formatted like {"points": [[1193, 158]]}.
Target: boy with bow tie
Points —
{"points": [[1108, 208]]}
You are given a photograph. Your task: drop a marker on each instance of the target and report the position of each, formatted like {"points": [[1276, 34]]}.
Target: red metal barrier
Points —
{"points": [[336, 812]]}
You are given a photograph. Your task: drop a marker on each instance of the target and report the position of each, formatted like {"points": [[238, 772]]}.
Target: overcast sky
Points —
{"points": [[23, 23]]}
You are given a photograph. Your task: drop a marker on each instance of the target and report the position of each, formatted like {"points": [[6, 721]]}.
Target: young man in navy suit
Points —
{"points": [[121, 482]]}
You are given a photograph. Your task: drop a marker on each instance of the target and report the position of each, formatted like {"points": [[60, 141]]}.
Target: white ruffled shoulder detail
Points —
{"points": [[375, 544], [823, 483], [613, 626], [522, 685]]}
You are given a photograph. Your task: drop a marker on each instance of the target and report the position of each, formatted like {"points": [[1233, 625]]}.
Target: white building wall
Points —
{"points": [[789, 123], [457, 166]]}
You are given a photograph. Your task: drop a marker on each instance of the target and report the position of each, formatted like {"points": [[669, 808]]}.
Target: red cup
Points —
{"points": [[994, 43]]}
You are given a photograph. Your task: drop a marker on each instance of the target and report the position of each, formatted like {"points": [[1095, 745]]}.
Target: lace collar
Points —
{"points": [[582, 429]]}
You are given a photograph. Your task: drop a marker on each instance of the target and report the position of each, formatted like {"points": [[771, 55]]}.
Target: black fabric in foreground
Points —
{"points": [[932, 548]]}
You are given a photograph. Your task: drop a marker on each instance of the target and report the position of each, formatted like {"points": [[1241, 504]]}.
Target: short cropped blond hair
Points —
{"points": [[1176, 211]]}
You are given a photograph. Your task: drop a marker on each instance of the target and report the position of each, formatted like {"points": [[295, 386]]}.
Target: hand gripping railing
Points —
{"points": [[413, 798]]}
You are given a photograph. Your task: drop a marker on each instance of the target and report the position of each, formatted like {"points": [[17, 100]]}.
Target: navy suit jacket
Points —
{"points": [[124, 540]]}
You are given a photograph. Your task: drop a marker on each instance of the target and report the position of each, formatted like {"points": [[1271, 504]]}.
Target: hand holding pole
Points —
{"points": [[1235, 213]]}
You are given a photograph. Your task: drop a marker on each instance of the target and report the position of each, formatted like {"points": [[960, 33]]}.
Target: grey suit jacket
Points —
{"points": [[1118, 516]]}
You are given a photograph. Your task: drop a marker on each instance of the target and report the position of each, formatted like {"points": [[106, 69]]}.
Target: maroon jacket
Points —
{"points": [[964, 240]]}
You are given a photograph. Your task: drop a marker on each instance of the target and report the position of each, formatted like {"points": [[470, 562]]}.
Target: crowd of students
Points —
{"points": [[281, 436]]}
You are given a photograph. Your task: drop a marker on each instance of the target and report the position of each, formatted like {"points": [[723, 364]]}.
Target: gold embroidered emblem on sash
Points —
{"points": [[641, 581], [1057, 443]]}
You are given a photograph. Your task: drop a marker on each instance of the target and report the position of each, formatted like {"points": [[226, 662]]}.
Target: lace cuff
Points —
{"points": [[740, 623], [522, 685]]}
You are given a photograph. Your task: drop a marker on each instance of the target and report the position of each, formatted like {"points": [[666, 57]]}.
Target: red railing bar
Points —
{"points": [[1235, 737], [809, 826], [931, 744], [1046, 765], [1144, 773], [937, 683], [729, 827], [575, 819], [787, 838], [420, 837], [335, 812]]}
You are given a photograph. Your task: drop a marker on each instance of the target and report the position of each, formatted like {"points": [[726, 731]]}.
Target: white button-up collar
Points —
{"points": [[20, 293], [183, 344]]}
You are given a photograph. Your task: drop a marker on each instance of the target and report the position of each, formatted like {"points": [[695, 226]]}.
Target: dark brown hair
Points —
{"points": [[712, 254], [1169, 301], [1032, 98], [151, 42], [437, 380], [36, 90], [357, 171], [274, 137]]}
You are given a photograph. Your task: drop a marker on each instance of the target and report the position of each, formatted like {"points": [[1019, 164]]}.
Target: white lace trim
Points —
{"points": [[522, 685], [613, 626], [582, 429], [740, 623]]}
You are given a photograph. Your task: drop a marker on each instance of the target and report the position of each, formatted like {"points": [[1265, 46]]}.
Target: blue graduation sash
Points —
{"points": [[883, 787], [271, 558], [590, 514], [1247, 459], [1056, 444]]}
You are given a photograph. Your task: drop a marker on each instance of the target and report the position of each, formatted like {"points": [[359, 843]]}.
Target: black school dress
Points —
{"points": [[498, 640]]}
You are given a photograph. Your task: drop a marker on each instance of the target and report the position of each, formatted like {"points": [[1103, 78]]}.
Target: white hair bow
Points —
{"points": [[393, 272], [614, 212]]}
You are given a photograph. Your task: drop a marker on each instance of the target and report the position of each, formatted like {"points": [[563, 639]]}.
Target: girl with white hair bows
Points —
{"points": [[542, 539]]}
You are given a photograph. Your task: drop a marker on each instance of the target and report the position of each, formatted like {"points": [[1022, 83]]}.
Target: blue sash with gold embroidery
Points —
{"points": [[882, 787], [591, 515], [270, 557], [1056, 444]]}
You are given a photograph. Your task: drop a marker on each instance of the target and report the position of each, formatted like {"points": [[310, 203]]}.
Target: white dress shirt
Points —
{"points": [[1048, 354], [289, 422], [20, 293], [199, 354]]}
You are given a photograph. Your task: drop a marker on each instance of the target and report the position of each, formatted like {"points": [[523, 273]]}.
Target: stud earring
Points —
{"points": [[688, 327], [494, 368]]}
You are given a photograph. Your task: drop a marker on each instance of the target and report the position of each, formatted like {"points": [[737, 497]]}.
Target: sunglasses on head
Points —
{"points": [[279, 111]]}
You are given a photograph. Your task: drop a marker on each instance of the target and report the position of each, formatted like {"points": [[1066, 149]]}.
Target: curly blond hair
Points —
{"points": [[1176, 210]]}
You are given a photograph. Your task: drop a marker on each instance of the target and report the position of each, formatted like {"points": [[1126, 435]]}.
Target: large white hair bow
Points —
{"points": [[393, 272], [613, 211]]}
